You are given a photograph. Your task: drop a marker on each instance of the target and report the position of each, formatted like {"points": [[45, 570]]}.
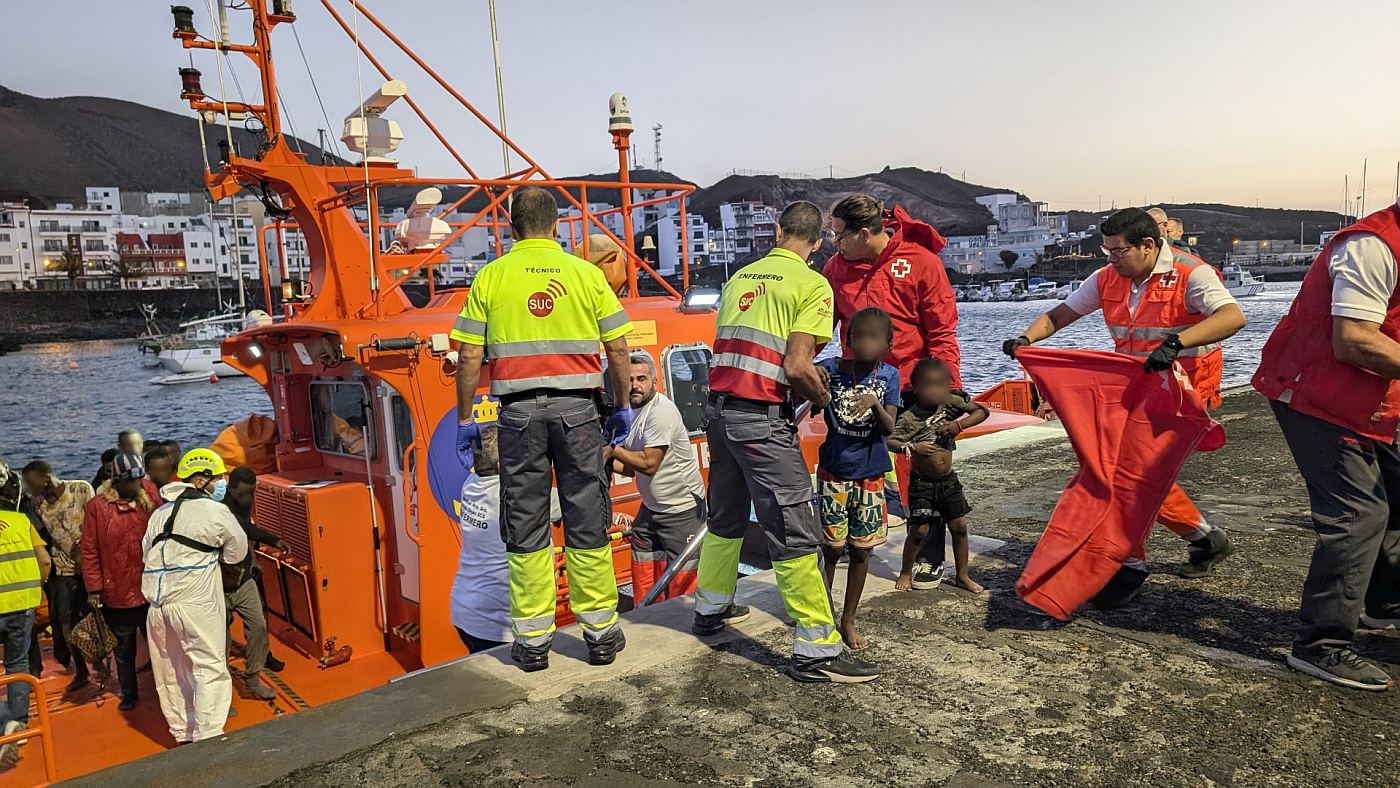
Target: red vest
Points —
{"points": [[1298, 367], [1160, 311]]}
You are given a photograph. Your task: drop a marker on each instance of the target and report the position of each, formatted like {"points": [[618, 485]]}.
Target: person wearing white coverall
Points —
{"points": [[186, 624]]}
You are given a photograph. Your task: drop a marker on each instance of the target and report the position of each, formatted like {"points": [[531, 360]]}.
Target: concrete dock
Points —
{"points": [[1184, 687]]}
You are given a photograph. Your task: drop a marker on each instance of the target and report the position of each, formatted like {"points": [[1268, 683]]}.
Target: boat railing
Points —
{"points": [[43, 731]]}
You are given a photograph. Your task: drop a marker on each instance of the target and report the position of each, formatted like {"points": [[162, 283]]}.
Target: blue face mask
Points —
{"points": [[217, 491]]}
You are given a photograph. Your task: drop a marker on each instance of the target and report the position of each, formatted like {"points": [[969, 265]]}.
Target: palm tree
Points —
{"points": [[70, 262], [1009, 258]]}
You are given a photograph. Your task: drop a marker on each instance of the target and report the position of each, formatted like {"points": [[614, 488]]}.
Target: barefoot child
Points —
{"points": [[854, 459], [925, 435]]}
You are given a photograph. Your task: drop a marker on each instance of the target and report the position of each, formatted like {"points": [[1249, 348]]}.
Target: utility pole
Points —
{"points": [[656, 140], [1363, 189], [500, 89]]}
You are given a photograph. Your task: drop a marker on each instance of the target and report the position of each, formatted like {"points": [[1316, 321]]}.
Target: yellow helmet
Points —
{"points": [[200, 461]]}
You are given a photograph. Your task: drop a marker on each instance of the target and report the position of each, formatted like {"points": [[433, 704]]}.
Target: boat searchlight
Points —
{"points": [[367, 132], [184, 21], [700, 299]]}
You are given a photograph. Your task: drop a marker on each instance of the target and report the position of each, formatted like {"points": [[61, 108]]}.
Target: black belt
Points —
{"points": [[782, 410], [516, 396]]}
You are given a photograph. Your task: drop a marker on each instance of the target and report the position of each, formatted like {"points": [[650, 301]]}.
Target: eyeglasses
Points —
{"points": [[1114, 254], [832, 236]]}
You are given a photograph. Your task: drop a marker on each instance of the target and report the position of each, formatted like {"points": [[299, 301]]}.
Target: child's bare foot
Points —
{"points": [[968, 584], [854, 640], [904, 582]]}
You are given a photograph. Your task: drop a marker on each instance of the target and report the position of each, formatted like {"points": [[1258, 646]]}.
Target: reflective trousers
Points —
{"points": [[756, 459], [559, 435], [1178, 514]]}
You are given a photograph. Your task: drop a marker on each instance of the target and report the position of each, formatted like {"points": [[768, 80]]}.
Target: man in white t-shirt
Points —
{"points": [[1186, 314], [481, 589], [658, 452]]}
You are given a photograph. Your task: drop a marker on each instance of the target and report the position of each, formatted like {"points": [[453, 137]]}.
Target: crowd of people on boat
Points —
{"points": [[157, 545], [115, 570]]}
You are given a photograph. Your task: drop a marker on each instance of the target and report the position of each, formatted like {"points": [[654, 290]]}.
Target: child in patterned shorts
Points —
{"points": [[854, 459]]}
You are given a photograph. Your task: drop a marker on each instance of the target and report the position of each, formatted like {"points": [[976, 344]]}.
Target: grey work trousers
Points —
{"points": [[556, 432], [247, 602], [1356, 563], [756, 459]]}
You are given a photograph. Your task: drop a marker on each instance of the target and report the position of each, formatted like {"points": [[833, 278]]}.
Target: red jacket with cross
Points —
{"points": [[907, 280]]}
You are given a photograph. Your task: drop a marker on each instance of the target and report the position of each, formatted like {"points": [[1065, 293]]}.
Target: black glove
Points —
{"points": [[1010, 346], [1165, 354]]}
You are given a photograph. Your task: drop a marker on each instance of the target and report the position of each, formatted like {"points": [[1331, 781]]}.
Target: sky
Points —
{"points": [[1078, 103]]}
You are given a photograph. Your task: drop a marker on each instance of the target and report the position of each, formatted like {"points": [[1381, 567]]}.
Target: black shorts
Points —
{"points": [[929, 498]]}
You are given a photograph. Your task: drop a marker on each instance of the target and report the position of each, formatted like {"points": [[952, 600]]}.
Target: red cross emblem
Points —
{"points": [[900, 268], [1169, 279]]}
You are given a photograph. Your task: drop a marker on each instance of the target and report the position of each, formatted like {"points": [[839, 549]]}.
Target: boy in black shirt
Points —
{"points": [[925, 434]]}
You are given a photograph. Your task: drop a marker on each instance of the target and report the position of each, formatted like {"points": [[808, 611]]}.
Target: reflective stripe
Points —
{"points": [[1118, 332], [803, 648], [658, 556], [21, 585], [533, 631], [750, 364], [819, 633], [589, 381], [613, 322], [709, 603], [19, 555], [748, 334], [541, 347], [596, 619], [467, 325]]}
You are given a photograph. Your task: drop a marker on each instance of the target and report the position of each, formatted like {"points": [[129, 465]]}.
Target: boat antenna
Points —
{"points": [[220, 18], [370, 202], [500, 88]]}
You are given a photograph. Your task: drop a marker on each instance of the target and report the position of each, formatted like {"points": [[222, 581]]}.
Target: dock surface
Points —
{"points": [[1185, 687]]}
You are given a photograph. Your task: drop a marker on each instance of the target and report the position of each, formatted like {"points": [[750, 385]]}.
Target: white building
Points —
{"points": [[104, 198], [670, 242], [17, 256], [1021, 227]]}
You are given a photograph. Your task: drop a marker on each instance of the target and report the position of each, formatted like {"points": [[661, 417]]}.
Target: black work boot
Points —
{"points": [[844, 668], [604, 650], [1203, 554], [713, 624], [1122, 588], [529, 658]]}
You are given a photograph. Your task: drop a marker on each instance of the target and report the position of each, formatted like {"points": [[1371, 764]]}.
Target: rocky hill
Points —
{"points": [[1216, 226], [53, 148]]}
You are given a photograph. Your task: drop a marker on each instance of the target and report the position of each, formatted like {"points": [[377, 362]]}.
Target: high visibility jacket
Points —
{"points": [[908, 281], [762, 305], [1161, 310], [1298, 366], [20, 584], [541, 314]]}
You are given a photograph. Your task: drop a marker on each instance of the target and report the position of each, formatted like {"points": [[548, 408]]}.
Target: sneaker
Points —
{"points": [[9, 753], [845, 668], [1121, 589], [128, 703], [714, 623], [1343, 667], [927, 576], [1203, 554], [1378, 622], [274, 664], [258, 689], [604, 650], [529, 659]]}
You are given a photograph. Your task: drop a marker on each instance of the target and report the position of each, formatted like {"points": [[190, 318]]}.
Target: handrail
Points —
{"points": [[690, 549], [43, 730]]}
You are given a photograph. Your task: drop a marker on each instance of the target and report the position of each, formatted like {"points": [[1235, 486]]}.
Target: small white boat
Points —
{"points": [[182, 378], [1042, 291], [1064, 291], [196, 350], [1242, 283]]}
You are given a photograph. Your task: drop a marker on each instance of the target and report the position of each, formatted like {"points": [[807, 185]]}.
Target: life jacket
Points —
{"points": [[20, 583], [1298, 366], [1161, 310]]}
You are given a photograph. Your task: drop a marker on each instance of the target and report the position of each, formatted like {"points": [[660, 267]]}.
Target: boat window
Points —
{"points": [[686, 375], [403, 425], [338, 412]]}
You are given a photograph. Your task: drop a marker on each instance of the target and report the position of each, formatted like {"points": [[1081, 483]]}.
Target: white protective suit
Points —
{"points": [[186, 625]]}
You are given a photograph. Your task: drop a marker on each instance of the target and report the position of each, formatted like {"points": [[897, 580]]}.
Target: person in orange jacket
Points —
{"points": [[1166, 308]]}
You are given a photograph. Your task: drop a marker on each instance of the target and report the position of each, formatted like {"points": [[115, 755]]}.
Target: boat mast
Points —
{"points": [[500, 91]]}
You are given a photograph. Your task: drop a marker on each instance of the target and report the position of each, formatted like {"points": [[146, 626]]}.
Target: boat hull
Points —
{"points": [[200, 360], [1247, 290]]}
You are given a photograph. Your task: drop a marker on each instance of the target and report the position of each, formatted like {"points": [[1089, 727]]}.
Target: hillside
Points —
{"points": [[53, 148], [1215, 226], [939, 199]]}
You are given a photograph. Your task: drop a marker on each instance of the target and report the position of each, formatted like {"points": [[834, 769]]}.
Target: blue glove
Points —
{"points": [[619, 424], [468, 439]]}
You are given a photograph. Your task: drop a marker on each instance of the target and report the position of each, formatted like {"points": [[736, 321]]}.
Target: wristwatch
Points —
{"points": [[908, 452], [1173, 341]]}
